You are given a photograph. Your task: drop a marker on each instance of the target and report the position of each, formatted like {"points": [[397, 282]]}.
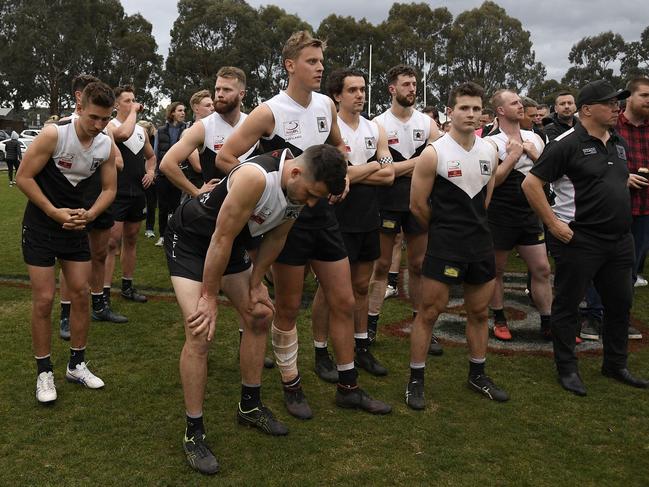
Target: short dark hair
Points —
{"points": [[98, 93], [123, 89], [336, 80], [528, 102], [488, 111], [400, 70], [232, 72], [563, 93], [465, 89], [542, 106], [327, 164], [171, 109], [81, 81], [634, 84]]}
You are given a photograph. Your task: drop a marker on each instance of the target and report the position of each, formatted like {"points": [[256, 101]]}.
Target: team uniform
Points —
{"points": [[63, 180], [190, 229], [358, 214], [217, 131], [512, 220], [406, 140], [316, 234], [460, 247], [130, 201]]}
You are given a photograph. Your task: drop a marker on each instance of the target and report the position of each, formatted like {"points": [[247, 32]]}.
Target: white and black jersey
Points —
{"points": [[406, 140], [359, 211], [509, 206], [66, 175], [590, 182], [459, 230], [298, 128], [197, 216], [129, 179], [217, 131]]}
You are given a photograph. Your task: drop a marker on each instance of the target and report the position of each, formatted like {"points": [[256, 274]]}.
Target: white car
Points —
{"points": [[29, 133], [24, 143]]}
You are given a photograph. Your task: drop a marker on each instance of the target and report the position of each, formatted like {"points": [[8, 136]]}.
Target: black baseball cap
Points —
{"points": [[599, 91]]}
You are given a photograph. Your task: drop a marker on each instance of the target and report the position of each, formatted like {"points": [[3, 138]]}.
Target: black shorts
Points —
{"points": [[42, 248], [506, 238], [453, 272], [362, 246], [305, 244], [129, 208], [104, 221], [393, 222], [186, 256]]}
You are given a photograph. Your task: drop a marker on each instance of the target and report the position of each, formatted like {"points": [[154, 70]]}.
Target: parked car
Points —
{"points": [[29, 133], [24, 143], [4, 135]]}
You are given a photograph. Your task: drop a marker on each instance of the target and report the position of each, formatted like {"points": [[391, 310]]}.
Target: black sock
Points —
{"points": [[76, 357], [347, 380], [107, 295], [476, 369], [545, 322], [414, 315], [372, 322], [126, 284], [98, 302], [65, 310], [393, 279], [499, 314], [417, 374], [293, 384], [194, 427], [361, 344], [250, 397], [44, 365], [321, 352]]}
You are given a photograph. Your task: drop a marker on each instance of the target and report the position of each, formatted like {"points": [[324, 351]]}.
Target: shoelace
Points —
{"points": [[46, 383]]}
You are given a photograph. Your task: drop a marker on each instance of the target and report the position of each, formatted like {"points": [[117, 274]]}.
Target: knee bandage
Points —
{"points": [[285, 348]]}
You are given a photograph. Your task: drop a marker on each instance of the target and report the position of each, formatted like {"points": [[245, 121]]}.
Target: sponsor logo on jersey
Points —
{"points": [[65, 161], [418, 135], [370, 143], [485, 168], [589, 151], [323, 126], [261, 216], [292, 129], [218, 142], [393, 138], [454, 169], [450, 271], [621, 153], [348, 148]]}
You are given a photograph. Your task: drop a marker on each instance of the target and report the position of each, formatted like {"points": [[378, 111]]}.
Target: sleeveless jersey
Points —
{"points": [[459, 229], [217, 131], [129, 179], [297, 128], [509, 206], [66, 175], [406, 141], [359, 211], [197, 216]]}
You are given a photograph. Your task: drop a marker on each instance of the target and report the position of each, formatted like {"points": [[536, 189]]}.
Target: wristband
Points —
{"points": [[384, 161]]}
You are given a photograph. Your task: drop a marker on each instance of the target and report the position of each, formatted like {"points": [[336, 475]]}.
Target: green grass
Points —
{"points": [[130, 432]]}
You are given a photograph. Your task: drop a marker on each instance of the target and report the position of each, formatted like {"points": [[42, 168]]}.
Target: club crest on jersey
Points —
{"points": [[218, 142], [418, 135], [292, 212], [370, 143], [292, 129], [95, 163], [393, 138], [140, 137], [323, 126], [65, 161], [621, 153], [485, 168], [261, 216], [454, 169]]}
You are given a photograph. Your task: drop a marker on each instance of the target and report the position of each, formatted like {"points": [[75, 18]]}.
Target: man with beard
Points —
{"points": [[512, 221], [563, 117], [408, 132], [299, 118]]}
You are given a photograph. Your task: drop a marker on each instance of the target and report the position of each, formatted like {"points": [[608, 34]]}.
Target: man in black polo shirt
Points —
{"points": [[589, 230]]}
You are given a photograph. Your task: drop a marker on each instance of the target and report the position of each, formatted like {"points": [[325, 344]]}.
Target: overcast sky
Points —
{"points": [[555, 25]]}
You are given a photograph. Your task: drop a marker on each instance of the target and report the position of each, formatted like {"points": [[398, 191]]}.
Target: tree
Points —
{"points": [[593, 58], [546, 92], [491, 48], [635, 62]]}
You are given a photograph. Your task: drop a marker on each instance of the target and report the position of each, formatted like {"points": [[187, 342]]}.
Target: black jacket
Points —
{"points": [[557, 127], [12, 150]]}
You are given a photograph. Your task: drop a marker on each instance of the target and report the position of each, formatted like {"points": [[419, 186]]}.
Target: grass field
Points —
{"points": [[130, 432]]}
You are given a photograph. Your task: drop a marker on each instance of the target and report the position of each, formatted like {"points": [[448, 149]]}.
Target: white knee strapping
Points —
{"points": [[285, 348]]}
